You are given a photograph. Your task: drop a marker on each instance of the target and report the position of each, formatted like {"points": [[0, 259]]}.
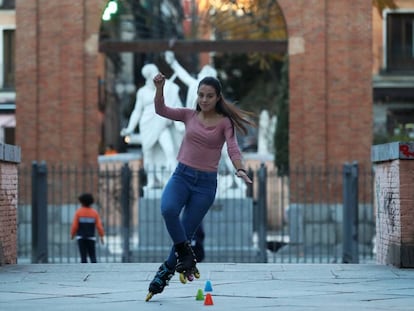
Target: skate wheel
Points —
{"points": [[190, 277], [183, 279], [149, 296], [197, 275]]}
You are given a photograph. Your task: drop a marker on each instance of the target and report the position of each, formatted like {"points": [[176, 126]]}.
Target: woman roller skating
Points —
{"points": [[193, 184]]}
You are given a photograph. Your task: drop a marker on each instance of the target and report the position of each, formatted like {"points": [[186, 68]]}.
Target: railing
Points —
{"points": [[265, 223]]}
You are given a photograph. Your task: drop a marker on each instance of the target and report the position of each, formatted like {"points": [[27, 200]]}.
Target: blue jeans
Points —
{"points": [[188, 193]]}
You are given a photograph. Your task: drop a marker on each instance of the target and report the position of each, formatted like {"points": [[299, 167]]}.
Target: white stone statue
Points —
{"points": [[191, 98], [159, 137], [266, 133]]}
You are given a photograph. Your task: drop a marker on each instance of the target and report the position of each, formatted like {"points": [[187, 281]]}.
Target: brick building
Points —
{"points": [[330, 51], [393, 79]]}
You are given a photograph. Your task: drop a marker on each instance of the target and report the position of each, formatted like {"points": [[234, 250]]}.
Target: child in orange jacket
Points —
{"points": [[85, 222]]}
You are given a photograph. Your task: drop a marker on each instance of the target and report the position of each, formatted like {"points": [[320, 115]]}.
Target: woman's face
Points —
{"points": [[207, 98]]}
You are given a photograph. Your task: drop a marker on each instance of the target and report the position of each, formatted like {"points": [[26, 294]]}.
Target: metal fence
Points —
{"points": [[311, 216]]}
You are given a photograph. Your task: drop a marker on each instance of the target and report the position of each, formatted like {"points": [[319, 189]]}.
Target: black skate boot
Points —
{"points": [[161, 279], [186, 262]]}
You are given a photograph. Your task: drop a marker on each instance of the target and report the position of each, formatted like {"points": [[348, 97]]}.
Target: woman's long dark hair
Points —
{"points": [[238, 117]]}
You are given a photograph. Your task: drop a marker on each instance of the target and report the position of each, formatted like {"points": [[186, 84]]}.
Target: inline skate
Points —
{"points": [[186, 262], [161, 279]]}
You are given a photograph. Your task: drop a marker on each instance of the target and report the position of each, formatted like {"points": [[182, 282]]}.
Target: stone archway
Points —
{"points": [[330, 80], [330, 75]]}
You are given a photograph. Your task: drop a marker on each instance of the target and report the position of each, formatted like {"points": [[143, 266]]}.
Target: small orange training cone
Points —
{"points": [[209, 300]]}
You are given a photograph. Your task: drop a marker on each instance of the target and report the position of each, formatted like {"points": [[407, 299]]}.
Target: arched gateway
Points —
{"points": [[330, 58]]}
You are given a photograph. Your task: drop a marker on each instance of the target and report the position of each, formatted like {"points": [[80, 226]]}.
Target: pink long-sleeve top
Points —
{"points": [[201, 146]]}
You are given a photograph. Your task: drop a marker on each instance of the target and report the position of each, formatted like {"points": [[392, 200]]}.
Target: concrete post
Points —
{"points": [[39, 213], [126, 211], [350, 213], [262, 212]]}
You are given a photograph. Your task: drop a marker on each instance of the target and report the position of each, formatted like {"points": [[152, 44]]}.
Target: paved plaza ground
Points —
{"points": [[289, 287]]}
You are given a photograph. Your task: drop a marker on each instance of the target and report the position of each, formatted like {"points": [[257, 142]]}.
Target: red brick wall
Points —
{"points": [[8, 213], [387, 203], [407, 201], [394, 201], [330, 50]]}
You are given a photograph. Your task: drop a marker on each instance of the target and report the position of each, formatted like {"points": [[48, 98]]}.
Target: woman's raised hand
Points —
{"points": [[159, 80]]}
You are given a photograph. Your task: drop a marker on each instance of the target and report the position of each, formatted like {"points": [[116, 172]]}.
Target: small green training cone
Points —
{"points": [[200, 295]]}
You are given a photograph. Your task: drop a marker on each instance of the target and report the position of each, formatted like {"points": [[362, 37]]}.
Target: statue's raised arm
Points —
{"points": [[187, 78], [179, 70]]}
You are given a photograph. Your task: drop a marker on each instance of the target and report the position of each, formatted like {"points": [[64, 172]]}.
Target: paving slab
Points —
{"points": [[103, 286]]}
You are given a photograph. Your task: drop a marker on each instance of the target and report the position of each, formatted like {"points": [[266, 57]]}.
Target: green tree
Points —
{"points": [[244, 20], [250, 79], [282, 127], [251, 87]]}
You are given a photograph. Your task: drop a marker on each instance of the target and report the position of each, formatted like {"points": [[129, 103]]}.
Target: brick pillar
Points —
{"points": [[330, 69], [9, 158], [56, 80], [394, 203], [330, 97]]}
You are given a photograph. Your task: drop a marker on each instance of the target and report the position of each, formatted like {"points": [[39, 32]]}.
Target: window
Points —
{"points": [[9, 135], [399, 40], [8, 54], [7, 4]]}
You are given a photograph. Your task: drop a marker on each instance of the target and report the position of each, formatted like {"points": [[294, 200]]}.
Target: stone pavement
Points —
{"points": [[103, 286]]}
